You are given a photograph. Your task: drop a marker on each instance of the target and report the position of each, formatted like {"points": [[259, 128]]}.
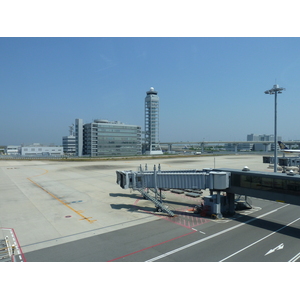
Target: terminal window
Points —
{"points": [[257, 182]]}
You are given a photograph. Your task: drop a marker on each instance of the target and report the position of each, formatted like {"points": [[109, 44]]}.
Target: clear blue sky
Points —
{"points": [[209, 88]]}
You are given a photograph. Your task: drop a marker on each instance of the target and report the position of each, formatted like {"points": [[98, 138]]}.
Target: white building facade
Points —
{"points": [[40, 150], [13, 150], [69, 144]]}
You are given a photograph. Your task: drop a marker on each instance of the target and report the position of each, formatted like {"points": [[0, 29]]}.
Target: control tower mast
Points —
{"points": [[152, 123]]}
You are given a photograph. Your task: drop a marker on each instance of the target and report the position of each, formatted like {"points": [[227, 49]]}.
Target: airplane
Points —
{"points": [[285, 149]]}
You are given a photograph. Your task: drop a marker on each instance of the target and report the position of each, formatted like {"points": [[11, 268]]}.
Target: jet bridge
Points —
{"points": [[283, 187], [175, 179]]}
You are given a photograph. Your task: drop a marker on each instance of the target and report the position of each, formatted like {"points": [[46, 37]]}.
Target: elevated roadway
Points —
{"points": [[202, 144]]}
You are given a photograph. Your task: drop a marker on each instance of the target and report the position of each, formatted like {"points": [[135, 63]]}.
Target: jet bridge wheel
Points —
{"points": [[198, 209], [158, 209]]}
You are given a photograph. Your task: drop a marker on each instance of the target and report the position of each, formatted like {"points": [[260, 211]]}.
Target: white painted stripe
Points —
{"points": [[212, 236], [259, 240], [295, 258]]}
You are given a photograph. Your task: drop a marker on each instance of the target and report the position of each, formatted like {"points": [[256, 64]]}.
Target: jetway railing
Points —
{"points": [[179, 179]]}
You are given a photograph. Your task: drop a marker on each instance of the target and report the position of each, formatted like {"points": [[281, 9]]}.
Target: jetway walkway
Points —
{"points": [[178, 179]]}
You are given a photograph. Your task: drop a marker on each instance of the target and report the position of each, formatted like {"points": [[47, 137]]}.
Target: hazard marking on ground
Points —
{"points": [[186, 219]]}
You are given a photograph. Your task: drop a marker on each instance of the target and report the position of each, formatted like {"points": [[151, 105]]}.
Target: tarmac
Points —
{"points": [[47, 203]]}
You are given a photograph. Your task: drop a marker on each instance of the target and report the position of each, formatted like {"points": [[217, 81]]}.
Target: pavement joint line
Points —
{"points": [[212, 236], [150, 247], [79, 233], [78, 212]]}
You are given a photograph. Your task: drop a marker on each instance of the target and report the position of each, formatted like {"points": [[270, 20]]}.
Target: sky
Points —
{"points": [[211, 88]]}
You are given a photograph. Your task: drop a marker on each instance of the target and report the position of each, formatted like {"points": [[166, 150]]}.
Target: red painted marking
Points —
{"points": [[151, 246], [22, 254]]}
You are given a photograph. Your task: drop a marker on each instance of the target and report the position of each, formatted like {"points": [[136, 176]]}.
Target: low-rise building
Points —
{"points": [[41, 150], [13, 150]]}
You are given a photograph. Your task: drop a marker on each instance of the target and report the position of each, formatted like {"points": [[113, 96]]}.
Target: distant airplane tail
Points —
{"points": [[282, 146]]}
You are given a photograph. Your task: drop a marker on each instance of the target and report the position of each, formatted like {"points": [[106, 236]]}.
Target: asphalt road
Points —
{"points": [[269, 234]]}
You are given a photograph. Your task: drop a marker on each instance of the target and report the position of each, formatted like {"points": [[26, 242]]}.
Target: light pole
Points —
{"points": [[275, 90]]}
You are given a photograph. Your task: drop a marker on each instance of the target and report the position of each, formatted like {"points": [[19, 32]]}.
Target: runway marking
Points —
{"points": [[180, 219], [280, 247], [212, 236], [78, 212], [295, 258], [46, 171], [260, 240]]}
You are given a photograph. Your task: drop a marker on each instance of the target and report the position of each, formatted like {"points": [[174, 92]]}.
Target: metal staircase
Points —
{"points": [[157, 203]]}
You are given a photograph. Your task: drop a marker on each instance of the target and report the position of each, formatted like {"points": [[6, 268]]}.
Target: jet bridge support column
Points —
{"points": [[218, 205], [230, 199]]}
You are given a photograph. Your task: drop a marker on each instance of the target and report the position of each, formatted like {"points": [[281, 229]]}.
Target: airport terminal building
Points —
{"points": [[106, 138]]}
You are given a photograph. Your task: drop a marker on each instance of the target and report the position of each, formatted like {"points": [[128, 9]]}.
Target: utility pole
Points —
{"points": [[275, 90]]}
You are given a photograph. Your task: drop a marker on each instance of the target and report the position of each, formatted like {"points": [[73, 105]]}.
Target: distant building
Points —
{"points": [[263, 138], [79, 136], [41, 150], [13, 150], [69, 142], [105, 138]]}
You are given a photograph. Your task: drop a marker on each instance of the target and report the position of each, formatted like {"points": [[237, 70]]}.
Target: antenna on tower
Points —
{"points": [[71, 129]]}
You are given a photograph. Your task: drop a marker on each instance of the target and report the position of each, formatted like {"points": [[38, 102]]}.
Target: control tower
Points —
{"points": [[152, 146]]}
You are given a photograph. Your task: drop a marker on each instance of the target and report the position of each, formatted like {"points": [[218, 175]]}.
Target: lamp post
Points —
{"points": [[275, 90]]}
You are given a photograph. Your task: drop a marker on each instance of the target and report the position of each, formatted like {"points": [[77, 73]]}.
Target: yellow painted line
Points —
{"points": [[78, 212], [46, 171]]}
